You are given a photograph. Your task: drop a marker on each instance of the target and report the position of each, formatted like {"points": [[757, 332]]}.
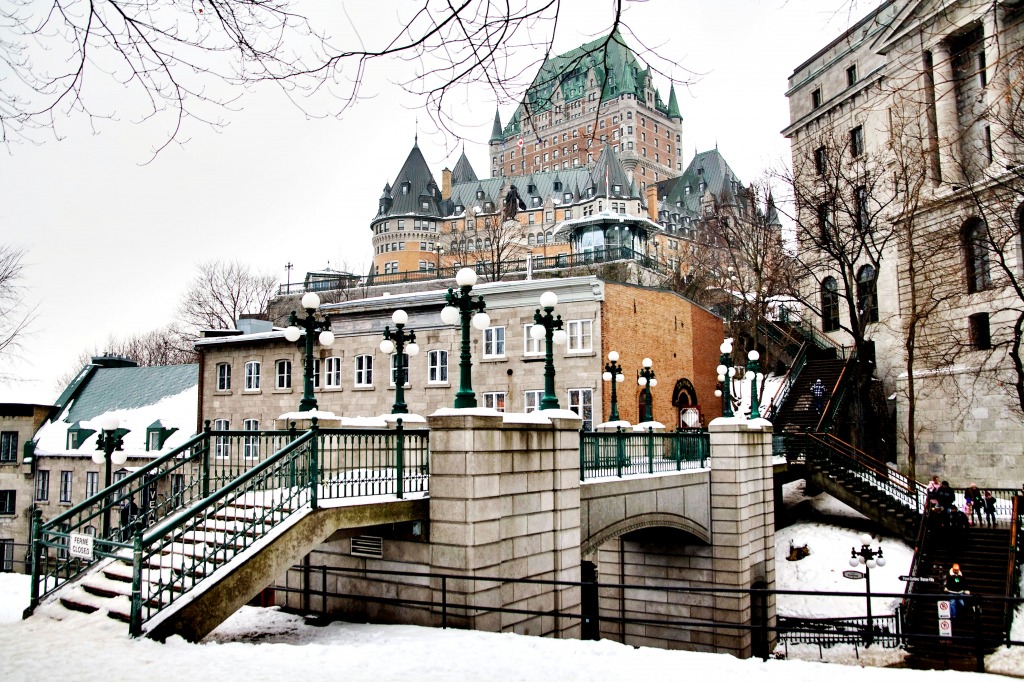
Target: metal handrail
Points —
{"points": [[835, 398], [799, 362], [623, 453], [912, 488]]}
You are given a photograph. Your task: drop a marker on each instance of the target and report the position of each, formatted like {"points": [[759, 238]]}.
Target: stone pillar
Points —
{"points": [[948, 123], [742, 527], [998, 85], [505, 502]]}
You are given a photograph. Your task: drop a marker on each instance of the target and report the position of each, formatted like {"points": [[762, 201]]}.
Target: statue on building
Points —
{"points": [[512, 205]]}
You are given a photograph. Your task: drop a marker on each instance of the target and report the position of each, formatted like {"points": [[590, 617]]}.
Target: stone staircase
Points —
{"points": [[983, 558], [798, 413]]}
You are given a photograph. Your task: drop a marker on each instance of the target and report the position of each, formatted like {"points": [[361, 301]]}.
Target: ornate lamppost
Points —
{"points": [[647, 381], [461, 306], [440, 252], [311, 325], [399, 342], [754, 367], [109, 450], [725, 374], [868, 557], [548, 327], [613, 374]]}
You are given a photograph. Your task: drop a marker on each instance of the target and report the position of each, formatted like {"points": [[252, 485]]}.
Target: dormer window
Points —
{"points": [[701, 188], [489, 207], [157, 434], [479, 194], [617, 189], [590, 192], [531, 189], [406, 187], [686, 190], [568, 196], [700, 171], [536, 201], [558, 187], [78, 434], [425, 205]]}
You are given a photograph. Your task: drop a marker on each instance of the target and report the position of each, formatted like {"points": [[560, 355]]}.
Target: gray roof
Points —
{"points": [[607, 173], [708, 167], [413, 182], [463, 170], [126, 388]]}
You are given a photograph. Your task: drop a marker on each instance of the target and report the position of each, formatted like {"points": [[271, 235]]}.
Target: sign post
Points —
{"points": [[945, 619], [853, 575]]}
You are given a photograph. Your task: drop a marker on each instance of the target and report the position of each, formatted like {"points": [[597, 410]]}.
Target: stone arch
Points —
{"points": [[684, 394], [632, 523]]}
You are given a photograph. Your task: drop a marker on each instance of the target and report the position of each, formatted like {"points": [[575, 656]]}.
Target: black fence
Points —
{"points": [[886, 631]]}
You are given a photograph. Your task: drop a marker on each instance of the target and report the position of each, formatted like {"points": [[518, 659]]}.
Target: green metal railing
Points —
{"points": [[799, 362], [191, 510], [624, 453]]}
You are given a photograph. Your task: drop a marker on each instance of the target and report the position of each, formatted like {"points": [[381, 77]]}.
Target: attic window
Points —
{"points": [[488, 206], [568, 196], [590, 192], [405, 188], [156, 435], [425, 205], [77, 435], [617, 189], [536, 201], [479, 194], [531, 189], [686, 190], [558, 186], [700, 171]]}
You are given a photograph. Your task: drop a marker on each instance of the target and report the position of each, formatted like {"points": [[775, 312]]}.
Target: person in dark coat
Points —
{"points": [[818, 393], [129, 513], [990, 508], [945, 497], [957, 532], [976, 502], [956, 587]]}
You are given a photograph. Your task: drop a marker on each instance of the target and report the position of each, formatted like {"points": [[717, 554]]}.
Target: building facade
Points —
{"points": [[248, 380], [19, 423], [905, 141]]}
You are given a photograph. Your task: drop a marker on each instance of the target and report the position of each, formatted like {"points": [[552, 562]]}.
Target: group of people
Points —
{"points": [[976, 504]]}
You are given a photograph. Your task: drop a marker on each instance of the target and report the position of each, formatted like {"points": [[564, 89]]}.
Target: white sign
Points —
{"points": [[80, 545], [943, 607], [945, 627]]}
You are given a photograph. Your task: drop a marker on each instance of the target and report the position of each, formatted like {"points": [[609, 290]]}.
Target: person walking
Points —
{"points": [[945, 497], [990, 509], [977, 502], [956, 587], [818, 393]]}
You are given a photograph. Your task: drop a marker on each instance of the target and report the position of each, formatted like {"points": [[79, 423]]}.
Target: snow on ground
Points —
{"points": [[265, 644]]}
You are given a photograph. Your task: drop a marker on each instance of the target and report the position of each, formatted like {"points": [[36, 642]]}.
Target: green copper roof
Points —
{"points": [[496, 128], [126, 388], [673, 104], [615, 68]]}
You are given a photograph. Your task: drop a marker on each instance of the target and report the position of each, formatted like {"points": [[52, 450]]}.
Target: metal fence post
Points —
{"points": [[314, 472], [400, 457], [650, 449], [620, 448], [206, 460], [37, 534], [135, 625]]}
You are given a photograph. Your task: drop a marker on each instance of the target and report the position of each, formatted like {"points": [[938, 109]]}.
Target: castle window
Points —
{"points": [[981, 334], [867, 293], [816, 98], [976, 255]]}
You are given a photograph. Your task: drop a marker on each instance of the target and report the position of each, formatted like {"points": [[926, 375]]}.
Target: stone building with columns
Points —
{"points": [[909, 122]]}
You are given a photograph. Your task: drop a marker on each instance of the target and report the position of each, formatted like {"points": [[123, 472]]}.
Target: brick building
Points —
{"points": [[248, 379]]}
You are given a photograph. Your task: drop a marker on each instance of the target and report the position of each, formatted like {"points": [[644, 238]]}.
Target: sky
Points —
{"points": [[264, 644], [112, 235]]}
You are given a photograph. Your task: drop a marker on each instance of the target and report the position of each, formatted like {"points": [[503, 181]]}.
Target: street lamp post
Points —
{"points": [[461, 306], [613, 374], [647, 381], [755, 367], [399, 342], [311, 325], [109, 450], [440, 252], [725, 374], [548, 327], [868, 557]]}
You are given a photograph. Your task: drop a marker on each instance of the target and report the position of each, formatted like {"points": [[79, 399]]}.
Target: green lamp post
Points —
{"points": [[461, 306], [400, 342], [548, 327], [109, 450], [311, 325], [613, 374], [647, 382], [869, 557], [755, 367], [725, 374]]}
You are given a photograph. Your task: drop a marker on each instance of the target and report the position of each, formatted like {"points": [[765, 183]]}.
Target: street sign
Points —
{"points": [[945, 627], [943, 608], [80, 545], [916, 579], [853, 575]]}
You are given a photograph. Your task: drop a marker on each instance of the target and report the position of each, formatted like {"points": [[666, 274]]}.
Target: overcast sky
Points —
{"points": [[111, 240]]}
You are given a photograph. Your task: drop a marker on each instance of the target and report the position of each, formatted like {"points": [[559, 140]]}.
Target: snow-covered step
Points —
{"points": [[100, 585]]}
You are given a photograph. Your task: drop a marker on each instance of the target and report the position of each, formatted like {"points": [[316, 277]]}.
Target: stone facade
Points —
{"points": [[18, 425]]}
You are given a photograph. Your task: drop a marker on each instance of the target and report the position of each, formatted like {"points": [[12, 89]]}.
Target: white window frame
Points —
{"points": [[531, 347], [495, 400], [580, 336], [252, 375], [221, 444], [332, 372], [437, 367], [394, 368], [494, 342], [67, 482], [577, 400], [92, 483], [283, 372], [42, 486], [531, 400], [316, 373], [223, 376], [251, 444], [363, 370]]}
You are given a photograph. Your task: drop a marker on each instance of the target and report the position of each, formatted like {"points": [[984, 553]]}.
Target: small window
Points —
{"points": [[981, 336], [42, 485], [364, 370], [92, 483], [152, 441], [867, 293], [816, 98], [405, 368], [532, 400], [851, 75], [857, 141], [9, 446], [252, 376], [7, 501], [495, 401], [581, 401], [316, 372], [976, 253], [251, 442], [221, 444], [829, 305], [532, 346], [66, 479], [223, 376], [332, 373], [820, 161], [437, 367], [581, 336], [494, 342], [284, 374]]}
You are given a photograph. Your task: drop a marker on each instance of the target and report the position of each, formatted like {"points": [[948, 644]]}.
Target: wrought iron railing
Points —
{"points": [[828, 632], [623, 453], [799, 362]]}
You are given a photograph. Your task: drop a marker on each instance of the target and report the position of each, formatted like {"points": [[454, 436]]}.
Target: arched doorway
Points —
{"points": [[684, 399]]}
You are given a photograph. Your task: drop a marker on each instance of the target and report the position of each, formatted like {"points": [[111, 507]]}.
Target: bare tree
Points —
{"points": [[14, 317], [166, 346], [221, 292], [187, 59]]}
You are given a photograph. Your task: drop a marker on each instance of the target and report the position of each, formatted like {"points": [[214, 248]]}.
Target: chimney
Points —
{"points": [[446, 184], [652, 201]]}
